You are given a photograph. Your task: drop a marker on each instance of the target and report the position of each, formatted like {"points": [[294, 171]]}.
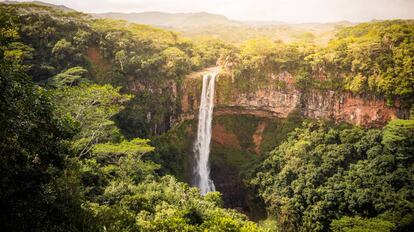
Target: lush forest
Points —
{"points": [[88, 143], [65, 164], [374, 58], [342, 179]]}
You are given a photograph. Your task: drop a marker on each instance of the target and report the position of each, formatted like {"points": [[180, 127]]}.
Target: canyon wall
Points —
{"points": [[281, 99]]}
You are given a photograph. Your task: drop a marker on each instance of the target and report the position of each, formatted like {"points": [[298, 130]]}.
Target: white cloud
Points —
{"points": [[281, 10]]}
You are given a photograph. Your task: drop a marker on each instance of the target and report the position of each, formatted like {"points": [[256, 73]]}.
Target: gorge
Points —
{"points": [[266, 114]]}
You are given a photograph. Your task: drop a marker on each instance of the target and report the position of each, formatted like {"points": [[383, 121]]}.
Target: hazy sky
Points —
{"points": [[280, 10]]}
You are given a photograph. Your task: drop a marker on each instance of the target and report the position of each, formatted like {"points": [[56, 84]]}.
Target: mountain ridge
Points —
{"points": [[175, 20], [178, 20]]}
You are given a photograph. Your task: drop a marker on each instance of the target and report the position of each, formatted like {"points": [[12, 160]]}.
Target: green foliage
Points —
{"points": [[258, 47], [321, 173], [171, 149], [153, 54], [136, 199], [358, 224], [17, 52], [32, 159], [150, 62], [374, 58], [145, 32], [102, 182], [133, 147], [209, 50], [178, 208], [398, 138], [90, 109], [270, 224], [62, 49], [12, 51], [50, 41], [135, 57], [72, 76], [238, 34], [177, 62], [260, 61]]}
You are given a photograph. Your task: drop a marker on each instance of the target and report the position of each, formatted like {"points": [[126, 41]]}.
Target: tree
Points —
{"points": [[358, 224], [91, 108], [62, 49], [258, 47], [320, 174], [177, 62], [31, 154], [69, 77], [121, 58]]}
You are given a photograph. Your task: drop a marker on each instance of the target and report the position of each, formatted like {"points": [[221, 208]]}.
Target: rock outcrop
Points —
{"points": [[271, 100]]}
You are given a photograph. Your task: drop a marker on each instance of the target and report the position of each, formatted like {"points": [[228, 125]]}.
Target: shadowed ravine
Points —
{"points": [[223, 156], [236, 194]]}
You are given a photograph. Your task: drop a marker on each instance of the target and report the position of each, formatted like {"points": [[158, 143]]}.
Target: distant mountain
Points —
{"points": [[202, 19], [201, 24], [264, 23], [173, 20], [59, 7]]}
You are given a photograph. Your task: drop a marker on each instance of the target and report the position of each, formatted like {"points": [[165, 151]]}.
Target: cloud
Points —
{"points": [[281, 10]]}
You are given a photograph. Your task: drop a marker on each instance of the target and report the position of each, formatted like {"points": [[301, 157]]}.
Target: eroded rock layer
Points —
{"points": [[278, 97]]}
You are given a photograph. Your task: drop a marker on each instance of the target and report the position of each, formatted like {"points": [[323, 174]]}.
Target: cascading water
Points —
{"points": [[202, 143]]}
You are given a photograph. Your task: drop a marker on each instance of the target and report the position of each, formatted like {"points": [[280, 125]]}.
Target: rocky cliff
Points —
{"points": [[278, 97]]}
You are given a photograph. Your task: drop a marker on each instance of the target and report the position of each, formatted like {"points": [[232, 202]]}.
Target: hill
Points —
{"points": [[59, 7], [172, 20], [196, 25]]}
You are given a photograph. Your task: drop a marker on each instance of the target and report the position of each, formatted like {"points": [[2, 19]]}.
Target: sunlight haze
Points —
{"points": [[295, 11]]}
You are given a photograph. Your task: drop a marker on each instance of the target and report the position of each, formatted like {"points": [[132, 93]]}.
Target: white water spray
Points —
{"points": [[202, 143]]}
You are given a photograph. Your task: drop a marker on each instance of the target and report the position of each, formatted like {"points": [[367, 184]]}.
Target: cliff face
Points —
{"points": [[282, 98], [154, 104]]}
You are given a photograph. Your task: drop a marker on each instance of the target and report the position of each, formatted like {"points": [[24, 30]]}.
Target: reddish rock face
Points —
{"points": [[272, 101], [363, 112], [221, 136], [345, 107]]}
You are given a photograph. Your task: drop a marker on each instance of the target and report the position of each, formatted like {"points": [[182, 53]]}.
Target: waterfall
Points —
{"points": [[202, 143]]}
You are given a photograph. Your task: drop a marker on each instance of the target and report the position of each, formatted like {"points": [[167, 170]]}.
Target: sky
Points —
{"points": [[294, 11]]}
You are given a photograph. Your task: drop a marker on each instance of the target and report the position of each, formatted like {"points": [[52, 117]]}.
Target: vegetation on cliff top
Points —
{"points": [[141, 59], [374, 58]]}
